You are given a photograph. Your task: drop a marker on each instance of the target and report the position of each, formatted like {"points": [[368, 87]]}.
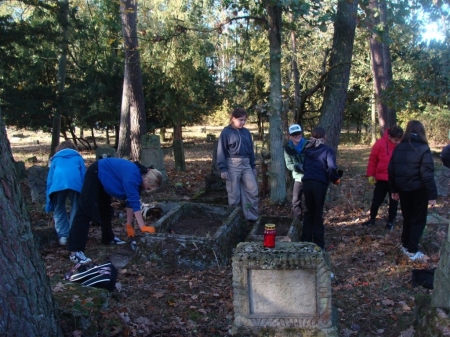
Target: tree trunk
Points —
{"points": [[26, 303], [63, 46], [133, 109], [178, 149], [295, 76], [277, 172], [381, 63], [335, 95]]}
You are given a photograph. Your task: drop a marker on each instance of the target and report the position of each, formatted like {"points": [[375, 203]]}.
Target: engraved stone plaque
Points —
{"points": [[282, 292]]}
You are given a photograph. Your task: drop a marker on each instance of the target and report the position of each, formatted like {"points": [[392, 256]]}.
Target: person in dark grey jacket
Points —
{"points": [[236, 161], [411, 180]]}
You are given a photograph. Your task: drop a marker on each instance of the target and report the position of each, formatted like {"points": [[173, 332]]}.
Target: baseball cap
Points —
{"points": [[295, 128]]}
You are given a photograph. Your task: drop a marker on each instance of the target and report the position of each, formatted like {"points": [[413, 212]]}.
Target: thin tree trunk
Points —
{"points": [[381, 63], [295, 76], [277, 170], [133, 108], [178, 149], [63, 46], [26, 303], [335, 96]]}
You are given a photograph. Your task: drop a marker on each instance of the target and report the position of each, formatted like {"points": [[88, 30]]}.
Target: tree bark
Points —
{"points": [[295, 76], [277, 172], [335, 95], [381, 63], [177, 143], [26, 303], [133, 108], [63, 46]]}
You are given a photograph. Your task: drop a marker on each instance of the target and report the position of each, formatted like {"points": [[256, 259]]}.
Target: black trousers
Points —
{"points": [[94, 204], [297, 193], [313, 228], [414, 206], [379, 193]]}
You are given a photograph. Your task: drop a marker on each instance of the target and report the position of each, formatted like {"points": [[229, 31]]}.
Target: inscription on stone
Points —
{"points": [[282, 292]]}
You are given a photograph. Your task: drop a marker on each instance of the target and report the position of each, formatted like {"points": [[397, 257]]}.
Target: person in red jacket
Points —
{"points": [[377, 172]]}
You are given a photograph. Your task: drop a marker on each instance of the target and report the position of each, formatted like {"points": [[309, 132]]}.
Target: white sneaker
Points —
{"points": [[404, 250], [62, 241], [80, 258], [117, 241], [416, 256]]}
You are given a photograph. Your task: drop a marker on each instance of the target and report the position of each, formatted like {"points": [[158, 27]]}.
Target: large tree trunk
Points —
{"points": [[335, 96], [133, 109], [381, 63], [277, 171], [26, 304], [63, 46]]}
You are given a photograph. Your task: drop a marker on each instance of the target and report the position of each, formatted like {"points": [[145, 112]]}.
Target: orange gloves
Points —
{"points": [[130, 230], [148, 229], [145, 229]]}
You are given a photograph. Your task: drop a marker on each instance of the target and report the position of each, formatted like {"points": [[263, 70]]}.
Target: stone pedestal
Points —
{"points": [[284, 291], [151, 153], [37, 180], [442, 178]]}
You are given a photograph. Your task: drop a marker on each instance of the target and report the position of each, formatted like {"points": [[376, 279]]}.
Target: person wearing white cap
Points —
{"points": [[294, 158]]}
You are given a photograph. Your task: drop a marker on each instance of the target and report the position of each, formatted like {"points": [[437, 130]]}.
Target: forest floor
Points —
{"points": [[372, 291]]}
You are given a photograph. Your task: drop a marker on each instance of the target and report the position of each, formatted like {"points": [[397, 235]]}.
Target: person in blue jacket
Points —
{"points": [[106, 178], [64, 181], [236, 161], [320, 169]]}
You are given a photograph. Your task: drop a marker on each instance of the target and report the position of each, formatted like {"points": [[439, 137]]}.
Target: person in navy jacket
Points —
{"points": [[64, 181], [377, 172], [106, 178], [320, 169]]}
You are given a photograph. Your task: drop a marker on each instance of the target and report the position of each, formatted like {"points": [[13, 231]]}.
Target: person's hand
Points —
{"points": [[372, 180], [255, 172], [298, 168], [224, 175], [395, 196], [337, 182], [432, 203], [148, 229], [130, 230]]}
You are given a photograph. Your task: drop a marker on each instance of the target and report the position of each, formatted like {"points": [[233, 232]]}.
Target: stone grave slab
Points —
{"points": [[288, 229], [196, 236], [152, 154], [440, 297], [283, 291], [105, 152], [37, 180]]}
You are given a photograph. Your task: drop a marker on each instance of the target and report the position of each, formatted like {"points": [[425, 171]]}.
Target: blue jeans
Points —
{"points": [[62, 222]]}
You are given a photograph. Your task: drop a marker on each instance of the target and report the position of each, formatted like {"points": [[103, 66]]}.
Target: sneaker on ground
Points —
{"points": [[404, 250], [390, 226], [369, 223], [117, 241], [416, 256], [80, 258], [62, 241]]}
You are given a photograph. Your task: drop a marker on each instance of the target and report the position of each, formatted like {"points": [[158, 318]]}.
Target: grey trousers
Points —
{"points": [[242, 187]]}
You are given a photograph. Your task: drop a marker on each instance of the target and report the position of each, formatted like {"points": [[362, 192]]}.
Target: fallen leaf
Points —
{"points": [[407, 333], [158, 295], [387, 302]]}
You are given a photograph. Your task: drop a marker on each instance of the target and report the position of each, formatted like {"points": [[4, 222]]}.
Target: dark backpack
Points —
{"points": [[102, 276], [445, 156]]}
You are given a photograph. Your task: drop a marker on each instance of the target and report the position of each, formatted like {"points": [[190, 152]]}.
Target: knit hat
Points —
{"points": [[294, 128]]}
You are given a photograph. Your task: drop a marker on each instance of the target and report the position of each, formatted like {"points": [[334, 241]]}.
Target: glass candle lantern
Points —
{"points": [[269, 235]]}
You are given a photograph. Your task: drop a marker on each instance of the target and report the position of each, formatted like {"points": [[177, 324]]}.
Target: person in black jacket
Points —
{"points": [[320, 169], [411, 180]]}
